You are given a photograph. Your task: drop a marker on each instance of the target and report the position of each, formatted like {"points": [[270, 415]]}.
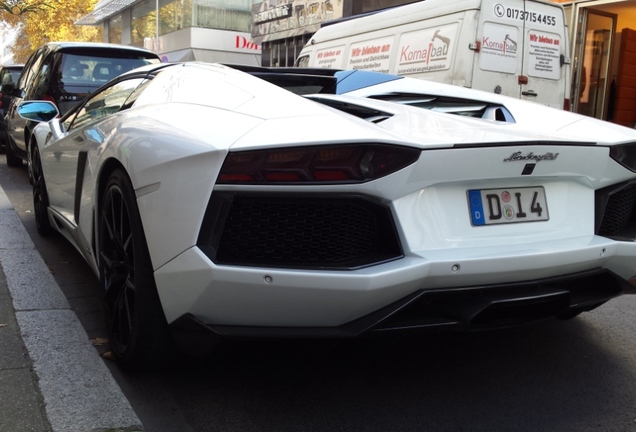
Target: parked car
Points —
{"points": [[64, 73], [9, 75], [213, 204]]}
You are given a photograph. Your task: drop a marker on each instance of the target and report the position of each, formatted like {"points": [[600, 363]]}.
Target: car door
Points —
{"points": [[69, 162]]}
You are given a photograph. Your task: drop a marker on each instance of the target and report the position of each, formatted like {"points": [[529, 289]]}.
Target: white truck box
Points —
{"points": [[517, 48]]}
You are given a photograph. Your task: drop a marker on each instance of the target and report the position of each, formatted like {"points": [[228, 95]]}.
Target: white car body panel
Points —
{"points": [[530, 116], [239, 296]]}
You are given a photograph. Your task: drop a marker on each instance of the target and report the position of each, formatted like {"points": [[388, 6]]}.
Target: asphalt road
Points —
{"points": [[577, 375]]}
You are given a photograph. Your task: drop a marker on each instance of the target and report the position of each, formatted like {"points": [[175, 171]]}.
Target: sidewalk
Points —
{"points": [[51, 377]]}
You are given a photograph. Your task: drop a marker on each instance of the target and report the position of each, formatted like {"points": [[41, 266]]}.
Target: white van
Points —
{"points": [[517, 48]]}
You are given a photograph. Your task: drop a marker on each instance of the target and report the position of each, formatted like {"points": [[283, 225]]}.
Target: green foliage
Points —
{"points": [[21, 7], [41, 21]]}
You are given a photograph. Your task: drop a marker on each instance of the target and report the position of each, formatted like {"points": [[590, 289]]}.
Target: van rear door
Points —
{"points": [[522, 50]]}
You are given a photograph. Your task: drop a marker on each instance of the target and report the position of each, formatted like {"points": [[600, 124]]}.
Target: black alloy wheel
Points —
{"points": [[40, 197], [137, 329]]}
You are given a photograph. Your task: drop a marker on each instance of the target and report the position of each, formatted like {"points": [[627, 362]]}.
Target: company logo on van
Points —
{"points": [[435, 50], [505, 46]]}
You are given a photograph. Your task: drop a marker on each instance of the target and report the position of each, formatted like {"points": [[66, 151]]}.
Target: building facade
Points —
{"points": [[283, 27], [181, 30], [7, 38]]}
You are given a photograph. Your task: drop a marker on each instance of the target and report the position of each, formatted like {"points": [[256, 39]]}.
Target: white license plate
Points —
{"points": [[500, 206]]}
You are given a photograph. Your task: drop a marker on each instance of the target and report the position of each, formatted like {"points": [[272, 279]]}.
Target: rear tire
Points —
{"points": [[137, 328]]}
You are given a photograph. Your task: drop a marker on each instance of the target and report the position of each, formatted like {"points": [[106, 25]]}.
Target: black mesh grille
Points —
{"points": [[619, 211], [306, 232]]}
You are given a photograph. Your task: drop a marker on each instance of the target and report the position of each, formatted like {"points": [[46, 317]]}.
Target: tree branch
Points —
{"points": [[21, 7]]}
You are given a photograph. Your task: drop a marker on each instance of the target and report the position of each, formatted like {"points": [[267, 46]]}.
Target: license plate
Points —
{"points": [[501, 206]]}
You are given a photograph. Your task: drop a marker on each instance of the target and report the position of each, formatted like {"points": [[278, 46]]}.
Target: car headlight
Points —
{"points": [[331, 164]]}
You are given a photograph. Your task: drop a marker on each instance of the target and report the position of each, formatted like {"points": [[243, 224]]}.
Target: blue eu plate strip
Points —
{"points": [[476, 208]]}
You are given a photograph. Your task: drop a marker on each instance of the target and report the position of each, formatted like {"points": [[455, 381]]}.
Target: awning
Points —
{"points": [[105, 10], [212, 56]]}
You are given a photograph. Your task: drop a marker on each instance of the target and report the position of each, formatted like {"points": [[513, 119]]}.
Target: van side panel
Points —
{"points": [[491, 45], [369, 40], [330, 57], [429, 49], [438, 49]]}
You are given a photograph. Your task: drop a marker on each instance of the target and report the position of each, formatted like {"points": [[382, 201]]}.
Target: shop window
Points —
{"points": [[114, 29], [223, 14], [266, 52], [173, 15]]}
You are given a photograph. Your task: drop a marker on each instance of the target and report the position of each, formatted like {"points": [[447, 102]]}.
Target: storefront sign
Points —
{"points": [[279, 19], [273, 14]]}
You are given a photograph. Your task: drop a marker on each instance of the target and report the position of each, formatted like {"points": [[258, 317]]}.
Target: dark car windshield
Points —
{"points": [[10, 76], [79, 69]]}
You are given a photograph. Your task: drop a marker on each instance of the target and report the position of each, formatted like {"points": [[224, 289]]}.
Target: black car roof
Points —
{"points": [[64, 45]]}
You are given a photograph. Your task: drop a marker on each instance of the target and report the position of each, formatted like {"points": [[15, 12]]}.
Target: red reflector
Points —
{"points": [[566, 104], [50, 99], [331, 175], [235, 178], [282, 177]]}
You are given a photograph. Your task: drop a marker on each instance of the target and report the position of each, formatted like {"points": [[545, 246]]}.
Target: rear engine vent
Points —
{"points": [[618, 218], [325, 232]]}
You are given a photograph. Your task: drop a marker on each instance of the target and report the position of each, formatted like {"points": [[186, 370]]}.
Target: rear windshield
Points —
{"points": [[10, 76], [84, 69]]}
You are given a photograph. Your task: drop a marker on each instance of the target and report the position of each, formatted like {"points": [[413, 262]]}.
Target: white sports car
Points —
{"points": [[213, 203]]}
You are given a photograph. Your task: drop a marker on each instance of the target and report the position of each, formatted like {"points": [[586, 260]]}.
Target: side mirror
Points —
{"points": [[39, 111]]}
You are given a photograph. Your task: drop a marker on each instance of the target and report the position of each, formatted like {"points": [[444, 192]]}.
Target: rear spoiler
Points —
{"points": [[300, 81]]}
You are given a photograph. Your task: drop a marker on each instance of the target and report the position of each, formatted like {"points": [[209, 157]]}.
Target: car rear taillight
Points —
{"points": [[625, 154], [324, 164], [50, 99]]}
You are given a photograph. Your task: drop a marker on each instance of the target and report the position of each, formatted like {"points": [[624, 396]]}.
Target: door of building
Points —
{"points": [[590, 84]]}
